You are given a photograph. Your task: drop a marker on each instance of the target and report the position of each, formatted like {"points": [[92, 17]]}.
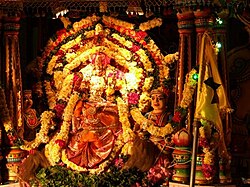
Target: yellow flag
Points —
{"points": [[211, 96]]}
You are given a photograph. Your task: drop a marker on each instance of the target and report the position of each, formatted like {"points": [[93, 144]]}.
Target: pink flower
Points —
{"points": [[158, 174], [208, 171], [119, 163], [133, 98], [119, 75], [203, 142]]}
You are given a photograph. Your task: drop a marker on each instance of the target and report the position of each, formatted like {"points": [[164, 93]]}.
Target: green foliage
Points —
{"points": [[59, 176]]}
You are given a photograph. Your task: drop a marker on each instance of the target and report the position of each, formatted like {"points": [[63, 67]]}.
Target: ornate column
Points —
{"points": [[1, 125], [12, 69], [186, 63], [185, 29], [1, 49], [202, 24], [13, 91]]}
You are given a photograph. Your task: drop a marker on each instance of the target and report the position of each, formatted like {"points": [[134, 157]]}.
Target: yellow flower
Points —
{"points": [[50, 95], [42, 135], [66, 88], [51, 65], [58, 79], [156, 22]]}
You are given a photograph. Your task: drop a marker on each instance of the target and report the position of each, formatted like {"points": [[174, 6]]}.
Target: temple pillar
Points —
{"points": [[12, 70], [202, 24], [13, 92], [1, 125], [186, 31]]}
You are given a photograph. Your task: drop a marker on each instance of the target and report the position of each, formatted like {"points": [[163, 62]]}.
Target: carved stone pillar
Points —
{"points": [[12, 69], [1, 49], [1, 127], [186, 31], [202, 24], [13, 89]]}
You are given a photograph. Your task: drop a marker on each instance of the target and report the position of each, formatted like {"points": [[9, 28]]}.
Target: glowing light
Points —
{"points": [[219, 21], [218, 45], [195, 76], [60, 11]]}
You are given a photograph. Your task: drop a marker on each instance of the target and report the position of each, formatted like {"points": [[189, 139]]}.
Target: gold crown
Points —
{"points": [[27, 92], [160, 90]]}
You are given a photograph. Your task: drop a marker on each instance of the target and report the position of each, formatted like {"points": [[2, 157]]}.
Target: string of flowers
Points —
{"points": [[188, 92], [132, 50], [156, 22], [13, 138], [42, 136], [53, 149], [209, 141]]}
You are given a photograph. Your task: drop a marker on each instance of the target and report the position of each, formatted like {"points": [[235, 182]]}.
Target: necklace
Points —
{"points": [[31, 118]]}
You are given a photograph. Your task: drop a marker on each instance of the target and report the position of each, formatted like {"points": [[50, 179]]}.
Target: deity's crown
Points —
{"points": [[161, 90], [27, 92]]}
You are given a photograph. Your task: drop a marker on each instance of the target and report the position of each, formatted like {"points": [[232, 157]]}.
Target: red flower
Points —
{"points": [[135, 48], [77, 80], [61, 143], [208, 170], [140, 35], [203, 142], [60, 32], [177, 117], [75, 47], [32, 151], [59, 108], [60, 53]]}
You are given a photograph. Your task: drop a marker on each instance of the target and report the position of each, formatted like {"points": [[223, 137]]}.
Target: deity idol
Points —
{"points": [[95, 122], [148, 150], [31, 121]]}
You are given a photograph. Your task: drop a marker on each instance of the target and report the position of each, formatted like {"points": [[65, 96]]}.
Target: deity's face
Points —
{"points": [[99, 64], [27, 99], [158, 101]]}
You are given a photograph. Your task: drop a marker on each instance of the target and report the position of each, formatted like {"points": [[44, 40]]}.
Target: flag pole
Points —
{"points": [[196, 125]]}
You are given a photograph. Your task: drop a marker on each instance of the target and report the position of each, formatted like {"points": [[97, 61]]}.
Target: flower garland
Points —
{"points": [[53, 149], [209, 141], [137, 58], [156, 22], [149, 125], [13, 139], [189, 88], [42, 136]]}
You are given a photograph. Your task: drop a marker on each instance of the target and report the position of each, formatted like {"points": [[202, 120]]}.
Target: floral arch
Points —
{"points": [[105, 60]]}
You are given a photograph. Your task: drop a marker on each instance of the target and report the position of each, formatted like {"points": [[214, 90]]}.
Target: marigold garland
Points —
{"points": [[133, 51], [42, 135]]}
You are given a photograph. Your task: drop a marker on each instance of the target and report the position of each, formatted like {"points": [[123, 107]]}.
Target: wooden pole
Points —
{"points": [[196, 125]]}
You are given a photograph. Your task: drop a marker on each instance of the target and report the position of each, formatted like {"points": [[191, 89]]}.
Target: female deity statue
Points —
{"points": [[149, 150], [31, 121], [94, 129], [95, 122], [160, 115]]}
